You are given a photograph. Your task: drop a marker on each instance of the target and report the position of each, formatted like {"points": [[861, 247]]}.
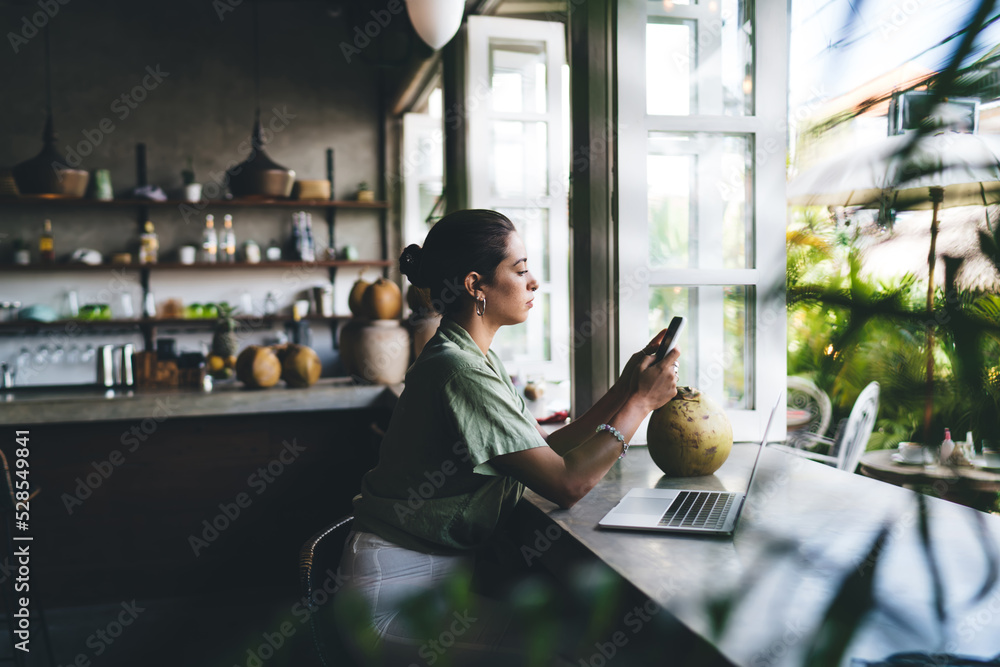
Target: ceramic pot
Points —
{"points": [[377, 351], [192, 192]]}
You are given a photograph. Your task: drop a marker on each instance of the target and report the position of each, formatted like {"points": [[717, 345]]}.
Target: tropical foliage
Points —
{"points": [[846, 329]]}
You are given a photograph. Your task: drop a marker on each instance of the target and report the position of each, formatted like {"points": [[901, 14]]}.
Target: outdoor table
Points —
{"points": [[827, 520], [796, 419], [975, 487]]}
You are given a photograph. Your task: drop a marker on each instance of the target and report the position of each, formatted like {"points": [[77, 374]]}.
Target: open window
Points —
{"points": [[517, 138], [701, 203], [422, 165]]}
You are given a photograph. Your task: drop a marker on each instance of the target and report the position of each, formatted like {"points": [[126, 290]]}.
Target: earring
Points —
{"points": [[480, 310]]}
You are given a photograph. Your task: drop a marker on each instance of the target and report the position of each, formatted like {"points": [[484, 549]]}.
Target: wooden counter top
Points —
{"points": [[60, 406], [805, 528]]}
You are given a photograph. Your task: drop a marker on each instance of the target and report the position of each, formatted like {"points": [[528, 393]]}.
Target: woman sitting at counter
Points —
{"points": [[461, 444]]}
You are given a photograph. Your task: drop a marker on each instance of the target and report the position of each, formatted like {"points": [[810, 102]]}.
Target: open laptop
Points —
{"points": [[684, 510]]}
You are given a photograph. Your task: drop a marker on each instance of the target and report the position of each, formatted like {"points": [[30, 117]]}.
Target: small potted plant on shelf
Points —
{"points": [[365, 193], [192, 190]]}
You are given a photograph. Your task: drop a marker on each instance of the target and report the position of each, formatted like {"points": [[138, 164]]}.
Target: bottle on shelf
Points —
{"points": [[47, 244], [228, 247], [296, 242], [149, 245], [302, 240], [271, 304], [252, 252], [947, 447], [209, 241], [310, 244]]}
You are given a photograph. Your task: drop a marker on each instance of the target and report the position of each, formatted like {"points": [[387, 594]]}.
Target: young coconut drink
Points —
{"points": [[690, 436]]}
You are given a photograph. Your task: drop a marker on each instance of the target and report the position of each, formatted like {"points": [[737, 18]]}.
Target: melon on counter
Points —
{"points": [[690, 436], [300, 365], [258, 366], [356, 296], [382, 300]]}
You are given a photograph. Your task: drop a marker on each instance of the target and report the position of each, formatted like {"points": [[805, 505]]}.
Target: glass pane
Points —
{"points": [[698, 200], [708, 354], [435, 103], [532, 225], [532, 340], [519, 167], [736, 345], [428, 194], [546, 325], [669, 57], [517, 75], [511, 344], [700, 63]]}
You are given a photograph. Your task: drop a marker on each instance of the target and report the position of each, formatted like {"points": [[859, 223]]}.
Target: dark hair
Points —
{"points": [[459, 243]]}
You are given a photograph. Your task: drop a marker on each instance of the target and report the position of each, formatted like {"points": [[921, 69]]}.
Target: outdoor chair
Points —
{"points": [[318, 558], [805, 396], [852, 437]]}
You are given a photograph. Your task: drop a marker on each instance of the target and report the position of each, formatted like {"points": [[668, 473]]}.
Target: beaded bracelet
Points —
{"points": [[615, 432]]}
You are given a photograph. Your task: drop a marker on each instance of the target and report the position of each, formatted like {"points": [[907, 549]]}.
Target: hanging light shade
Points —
{"points": [[46, 175], [259, 175], [436, 21]]}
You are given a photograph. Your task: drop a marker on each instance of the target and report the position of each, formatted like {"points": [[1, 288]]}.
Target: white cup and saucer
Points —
{"points": [[990, 460], [910, 453]]}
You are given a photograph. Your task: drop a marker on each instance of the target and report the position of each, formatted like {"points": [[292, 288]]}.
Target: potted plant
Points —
{"points": [[192, 190], [365, 193]]}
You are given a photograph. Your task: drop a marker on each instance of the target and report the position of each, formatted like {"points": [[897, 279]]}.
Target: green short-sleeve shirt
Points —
{"points": [[434, 489]]}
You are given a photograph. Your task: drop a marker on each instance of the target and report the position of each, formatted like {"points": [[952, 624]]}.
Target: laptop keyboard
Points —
{"points": [[698, 509]]}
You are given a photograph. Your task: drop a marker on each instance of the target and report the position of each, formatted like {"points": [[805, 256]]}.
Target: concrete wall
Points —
{"points": [[199, 104]]}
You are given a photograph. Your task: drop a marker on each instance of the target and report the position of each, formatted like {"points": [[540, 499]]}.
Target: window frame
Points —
{"points": [[480, 32], [766, 130]]}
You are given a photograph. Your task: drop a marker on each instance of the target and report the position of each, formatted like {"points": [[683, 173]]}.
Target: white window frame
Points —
{"points": [[766, 130], [481, 30]]}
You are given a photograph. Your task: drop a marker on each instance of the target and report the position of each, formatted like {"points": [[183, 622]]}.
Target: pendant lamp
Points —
{"points": [[436, 21], [259, 175], [46, 175]]}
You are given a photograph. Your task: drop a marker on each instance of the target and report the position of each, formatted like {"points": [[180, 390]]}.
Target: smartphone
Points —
{"points": [[670, 338]]}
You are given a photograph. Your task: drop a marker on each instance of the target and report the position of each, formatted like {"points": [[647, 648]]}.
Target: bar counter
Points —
{"points": [[135, 486], [29, 405], [805, 528]]}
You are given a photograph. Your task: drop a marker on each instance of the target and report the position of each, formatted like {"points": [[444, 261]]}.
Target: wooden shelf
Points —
{"points": [[282, 264], [213, 203], [194, 323]]}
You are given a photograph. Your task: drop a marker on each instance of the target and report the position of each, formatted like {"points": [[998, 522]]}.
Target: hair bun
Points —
{"points": [[410, 262]]}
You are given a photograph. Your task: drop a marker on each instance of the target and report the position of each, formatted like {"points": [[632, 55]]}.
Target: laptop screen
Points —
{"points": [[763, 441]]}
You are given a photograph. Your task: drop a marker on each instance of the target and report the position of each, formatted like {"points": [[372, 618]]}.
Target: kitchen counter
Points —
{"points": [[19, 407]]}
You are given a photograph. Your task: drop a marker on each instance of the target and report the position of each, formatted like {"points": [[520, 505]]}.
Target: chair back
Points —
{"points": [[803, 394], [319, 579], [854, 436]]}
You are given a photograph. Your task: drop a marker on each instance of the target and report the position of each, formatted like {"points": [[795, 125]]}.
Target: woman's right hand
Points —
{"points": [[656, 381]]}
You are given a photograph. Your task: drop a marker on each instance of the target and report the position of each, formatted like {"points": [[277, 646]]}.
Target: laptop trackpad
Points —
{"points": [[640, 505]]}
